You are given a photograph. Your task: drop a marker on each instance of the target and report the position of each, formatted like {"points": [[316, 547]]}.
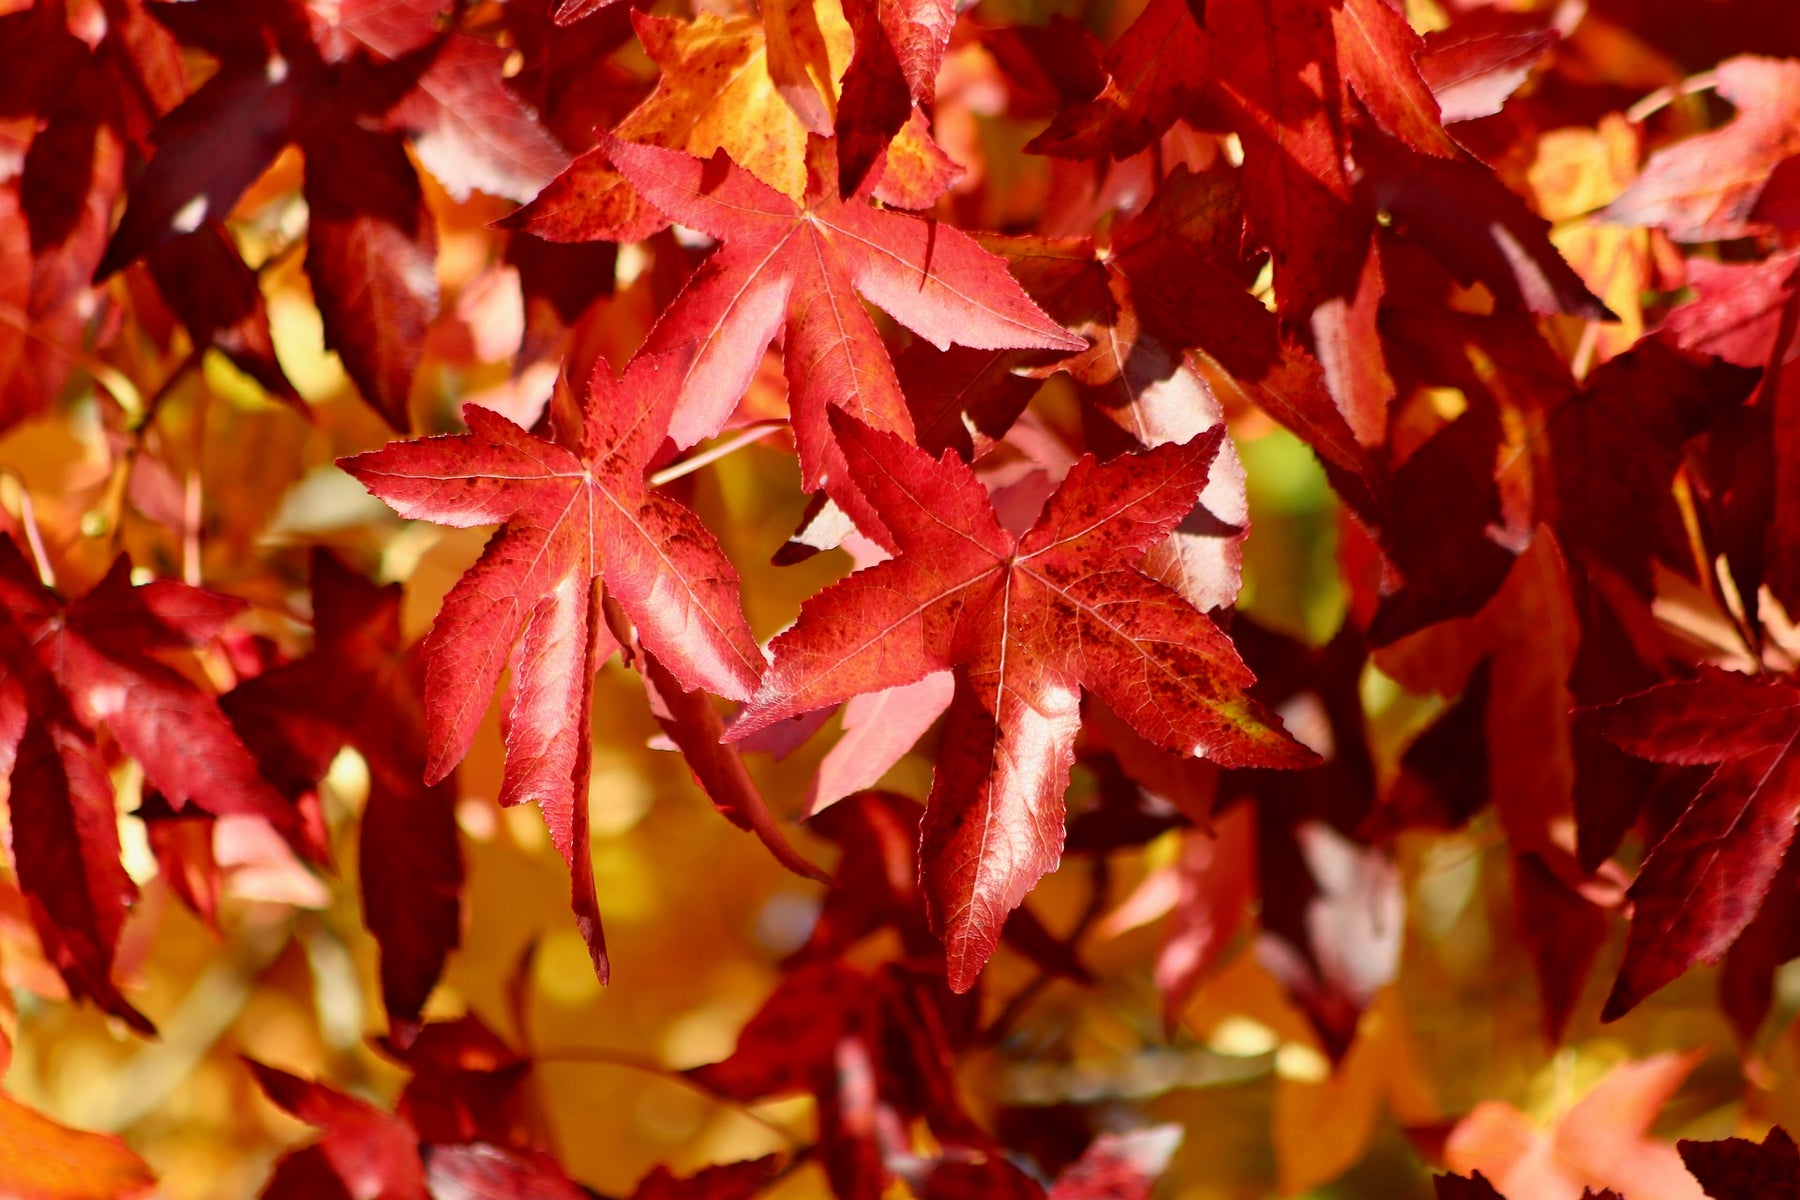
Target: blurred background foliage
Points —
{"points": [[230, 489]]}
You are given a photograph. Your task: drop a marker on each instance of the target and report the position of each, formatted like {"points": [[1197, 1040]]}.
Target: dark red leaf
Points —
{"points": [[1026, 622], [1739, 1169], [1705, 880], [570, 518], [371, 253]]}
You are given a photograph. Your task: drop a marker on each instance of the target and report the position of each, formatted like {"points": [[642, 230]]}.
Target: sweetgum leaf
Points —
{"points": [[1378, 53], [371, 253], [207, 152], [801, 267], [1026, 622], [1281, 85], [1156, 72], [571, 517], [1705, 880], [899, 47], [718, 89], [69, 669], [1706, 188], [364, 1151]]}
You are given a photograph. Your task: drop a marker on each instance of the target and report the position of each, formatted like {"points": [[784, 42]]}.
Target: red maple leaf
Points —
{"points": [[899, 47], [1154, 74], [1711, 187], [351, 84], [69, 669], [1026, 622], [573, 513], [1703, 883], [802, 267]]}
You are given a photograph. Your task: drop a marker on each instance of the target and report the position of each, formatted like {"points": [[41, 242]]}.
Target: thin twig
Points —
{"points": [[649, 1066], [1100, 876]]}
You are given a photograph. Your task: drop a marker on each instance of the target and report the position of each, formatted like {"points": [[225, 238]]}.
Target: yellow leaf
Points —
{"points": [[726, 83]]}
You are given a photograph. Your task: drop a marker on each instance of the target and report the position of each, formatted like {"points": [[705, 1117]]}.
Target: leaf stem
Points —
{"points": [[712, 454], [34, 538], [1662, 97]]}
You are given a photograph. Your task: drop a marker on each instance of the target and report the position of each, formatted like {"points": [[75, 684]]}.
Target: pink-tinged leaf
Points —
{"points": [[1465, 217], [529, 602], [1704, 881], [695, 726], [1378, 53], [802, 267], [471, 130], [1601, 1141], [1333, 918], [1026, 622], [371, 1153], [371, 254], [1739, 1169], [1472, 74], [480, 1171], [589, 201], [879, 728], [1156, 72], [183, 846], [1215, 885], [1347, 340], [1706, 188], [207, 152], [1011, 730], [1736, 310], [1119, 1166]]}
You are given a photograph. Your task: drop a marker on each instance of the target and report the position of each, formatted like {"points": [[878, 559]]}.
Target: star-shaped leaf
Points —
{"points": [[67, 670], [1708, 187], [1026, 622], [572, 514], [802, 267]]}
